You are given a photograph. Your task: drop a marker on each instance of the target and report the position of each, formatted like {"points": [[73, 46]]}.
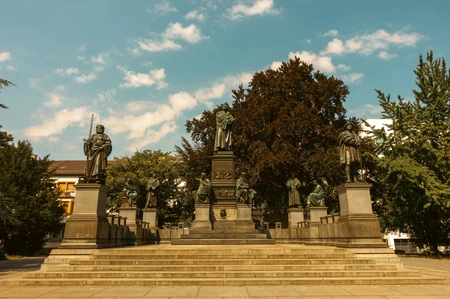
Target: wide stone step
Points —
{"points": [[226, 281], [223, 236], [193, 268], [222, 274], [223, 262], [221, 256], [230, 242]]}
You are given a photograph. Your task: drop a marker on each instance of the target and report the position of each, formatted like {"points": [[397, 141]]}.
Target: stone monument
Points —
{"points": [[88, 226]]}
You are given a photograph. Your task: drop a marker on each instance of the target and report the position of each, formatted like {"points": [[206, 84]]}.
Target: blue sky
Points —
{"points": [[144, 67]]}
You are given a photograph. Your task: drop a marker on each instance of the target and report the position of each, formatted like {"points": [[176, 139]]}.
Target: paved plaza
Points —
{"points": [[429, 267]]}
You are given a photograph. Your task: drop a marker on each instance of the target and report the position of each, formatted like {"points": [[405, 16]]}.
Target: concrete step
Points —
{"points": [[242, 261], [198, 241], [193, 268], [225, 281], [223, 236], [212, 256], [221, 274]]}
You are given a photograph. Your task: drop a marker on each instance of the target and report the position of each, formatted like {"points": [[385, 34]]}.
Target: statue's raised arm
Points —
{"points": [[225, 124]]}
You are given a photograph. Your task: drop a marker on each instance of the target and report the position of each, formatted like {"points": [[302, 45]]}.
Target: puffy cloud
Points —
{"points": [[55, 125], [343, 67], [191, 33], [54, 100], [66, 72], [332, 32], [5, 56], [152, 136], [133, 51], [275, 65], [220, 87], [386, 56], [134, 80], [319, 62], [163, 8], [102, 58], [11, 68], [352, 77], [367, 110], [158, 46], [194, 15], [106, 95], [86, 78], [336, 46], [259, 7]]}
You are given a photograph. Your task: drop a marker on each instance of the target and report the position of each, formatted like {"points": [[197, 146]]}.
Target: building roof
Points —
{"points": [[68, 167]]}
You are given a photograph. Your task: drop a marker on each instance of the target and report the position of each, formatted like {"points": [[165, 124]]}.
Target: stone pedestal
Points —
{"points": [[244, 212], [150, 216], [88, 227], [112, 230], [295, 215], [135, 232], [202, 217], [223, 178], [357, 226], [316, 212]]}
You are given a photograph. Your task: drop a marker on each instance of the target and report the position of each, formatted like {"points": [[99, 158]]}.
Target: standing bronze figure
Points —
{"points": [[293, 185], [97, 148], [152, 191], [350, 154], [225, 124]]}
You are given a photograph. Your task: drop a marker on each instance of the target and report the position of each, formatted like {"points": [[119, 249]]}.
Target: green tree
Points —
{"points": [[139, 168], [412, 176], [4, 83], [288, 121], [28, 199]]}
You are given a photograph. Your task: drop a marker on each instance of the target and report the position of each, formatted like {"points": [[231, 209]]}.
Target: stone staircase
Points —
{"points": [[223, 237], [249, 265]]}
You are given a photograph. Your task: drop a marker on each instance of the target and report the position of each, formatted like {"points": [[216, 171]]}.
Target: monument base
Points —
{"points": [[295, 215], [316, 212], [88, 227], [135, 232]]}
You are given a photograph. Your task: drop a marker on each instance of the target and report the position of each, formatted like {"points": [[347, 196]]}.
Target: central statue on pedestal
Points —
{"points": [[225, 124]]}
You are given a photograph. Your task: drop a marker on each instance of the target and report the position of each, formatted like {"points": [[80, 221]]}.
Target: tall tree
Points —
{"points": [[287, 122], [28, 199], [413, 173], [138, 169], [4, 83]]}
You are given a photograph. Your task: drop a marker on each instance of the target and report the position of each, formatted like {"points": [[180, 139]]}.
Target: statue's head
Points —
{"points": [[225, 107], [243, 174], [100, 129], [348, 126], [203, 175]]}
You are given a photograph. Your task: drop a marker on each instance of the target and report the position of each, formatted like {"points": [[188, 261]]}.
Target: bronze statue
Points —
{"points": [[97, 148], [293, 185], [130, 192], [203, 193], [315, 198], [152, 191], [225, 124], [350, 154], [244, 194]]}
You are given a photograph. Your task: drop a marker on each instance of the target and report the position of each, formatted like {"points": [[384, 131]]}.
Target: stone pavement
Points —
{"points": [[430, 267]]}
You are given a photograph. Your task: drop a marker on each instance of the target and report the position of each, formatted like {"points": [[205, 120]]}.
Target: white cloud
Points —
{"points": [[102, 58], [5, 56], [34, 83], [158, 46], [153, 136], [381, 39], [134, 80], [194, 15], [336, 46], [106, 95], [259, 7], [86, 78], [275, 65], [163, 8], [81, 58], [66, 72], [11, 68], [211, 5], [222, 86], [352, 77], [82, 48], [54, 100], [98, 68], [147, 63], [308, 41], [56, 125], [386, 56], [343, 67], [191, 33], [366, 110], [133, 51], [320, 62], [332, 32]]}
